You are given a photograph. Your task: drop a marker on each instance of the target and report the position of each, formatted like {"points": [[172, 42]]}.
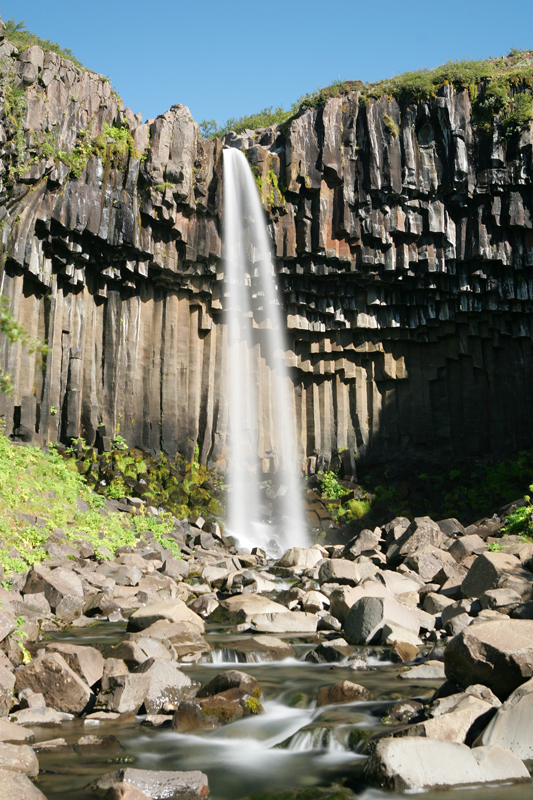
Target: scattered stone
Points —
{"points": [[498, 654], [167, 684], [496, 571], [173, 611], [50, 746], [124, 694], [62, 688], [18, 758], [96, 744], [41, 716], [429, 671], [344, 692], [13, 733], [231, 679], [369, 615], [15, 786], [269, 648], [511, 725], [160, 785], [87, 662]]}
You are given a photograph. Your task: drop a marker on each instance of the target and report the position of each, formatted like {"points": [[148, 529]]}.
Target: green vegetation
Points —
{"points": [[22, 38], [391, 126], [49, 486], [497, 86], [331, 489], [15, 333], [114, 144]]}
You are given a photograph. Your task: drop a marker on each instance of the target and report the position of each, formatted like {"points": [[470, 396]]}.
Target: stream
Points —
{"points": [[291, 744]]}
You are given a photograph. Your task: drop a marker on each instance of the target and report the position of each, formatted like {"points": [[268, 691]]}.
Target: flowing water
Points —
{"points": [[292, 744], [259, 385]]}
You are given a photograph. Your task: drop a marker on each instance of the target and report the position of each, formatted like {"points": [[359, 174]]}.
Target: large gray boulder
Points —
{"points": [[421, 532], [172, 611], [168, 684], [160, 785], [497, 571], [369, 616], [511, 726], [62, 588], [51, 676], [498, 654], [344, 572], [15, 785], [87, 662], [412, 764]]}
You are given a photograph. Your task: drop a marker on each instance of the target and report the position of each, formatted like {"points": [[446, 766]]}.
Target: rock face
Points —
{"points": [[402, 233]]}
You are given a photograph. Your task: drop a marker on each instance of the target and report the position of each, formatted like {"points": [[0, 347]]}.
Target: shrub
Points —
{"points": [[22, 38]]}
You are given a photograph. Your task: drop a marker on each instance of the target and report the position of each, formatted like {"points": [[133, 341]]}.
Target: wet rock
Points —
{"points": [[62, 688], [368, 617], [231, 679], [41, 716], [429, 671], [242, 608], [498, 654], [174, 611], [124, 694], [284, 622], [211, 712], [511, 725], [87, 662], [403, 652], [255, 648], [18, 758], [13, 733], [15, 785], [405, 711], [125, 791], [334, 651], [343, 692], [166, 785], [50, 746], [326, 622], [138, 649], [88, 745], [411, 764], [167, 684], [185, 639]]}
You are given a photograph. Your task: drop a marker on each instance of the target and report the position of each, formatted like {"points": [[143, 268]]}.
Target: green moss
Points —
{"points": [[253, 705], [391, 126]]}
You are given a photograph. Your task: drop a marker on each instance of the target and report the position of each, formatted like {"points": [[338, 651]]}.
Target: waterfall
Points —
{"points": [[262, 419]]}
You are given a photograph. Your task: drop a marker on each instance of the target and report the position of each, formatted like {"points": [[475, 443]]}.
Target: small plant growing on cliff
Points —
{"points": [[391, 126], [331, 488], [22, 38]]}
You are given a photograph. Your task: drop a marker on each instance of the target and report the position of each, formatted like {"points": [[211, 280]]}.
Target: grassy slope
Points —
{"points": [[45, 485]]}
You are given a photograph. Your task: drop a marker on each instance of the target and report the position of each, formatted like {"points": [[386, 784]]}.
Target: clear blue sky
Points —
{"points": [[228, 59]]}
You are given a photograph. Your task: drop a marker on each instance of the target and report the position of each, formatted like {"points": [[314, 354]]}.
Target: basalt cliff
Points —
{"points": [[403, 239]]}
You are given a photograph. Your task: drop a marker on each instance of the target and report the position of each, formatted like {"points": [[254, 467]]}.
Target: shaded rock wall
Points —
{"points": [[404, 245]]}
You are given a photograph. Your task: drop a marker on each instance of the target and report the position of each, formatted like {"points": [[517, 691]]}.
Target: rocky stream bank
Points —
{"points": [[402, 660]]}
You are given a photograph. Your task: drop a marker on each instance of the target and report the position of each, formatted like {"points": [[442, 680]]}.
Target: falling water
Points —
{"points": [[256, 339]]}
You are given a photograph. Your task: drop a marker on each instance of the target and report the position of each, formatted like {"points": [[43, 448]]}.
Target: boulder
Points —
{"points": [[213, 712], [284, 622], [511, 726], [137, 649], [457, 723], [342, 599], [62, 688], [467, 545], [432, 670], [15, 785], [414, 764], [343, 692], [187, 642], [13, 733], [428, 561], [125, 791], [498, 654], [87, 662], [259, 648], [7, 683], [334, 651], [124, 694], [369, 615], [343, 572], [167, 684], [43, 717], [231, 679], [422, 531], [366, 541], [243, 607], [300, 557], [159, 785], [62, 588], [18, 758], [172, 611], [497, 571]]}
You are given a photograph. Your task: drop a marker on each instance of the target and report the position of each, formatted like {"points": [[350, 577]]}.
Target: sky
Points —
{"points": [[230, 59]]}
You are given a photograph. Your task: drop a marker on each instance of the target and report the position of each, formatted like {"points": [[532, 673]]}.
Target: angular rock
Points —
{"points": [[343, 572], [511, 726], [125, 791], [496, 654], [125, 694], [15, 785], [87, 662], [167, 684], [173, 611], [497, 571], [242, 608], [259, 648], [422, 531], [13, 733], [284, 622], [62, 688], [62, 588], [368, 617], [343, 692], [300, 557], [185, 639], [231, 679], [160, 785], [18, 758], [412, 764], [7, 683], [457, 723]]}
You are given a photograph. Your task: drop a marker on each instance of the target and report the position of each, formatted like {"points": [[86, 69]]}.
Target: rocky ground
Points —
{"points": [[456, 602]]}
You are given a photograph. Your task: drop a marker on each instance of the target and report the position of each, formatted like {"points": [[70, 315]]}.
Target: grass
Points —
{"points": [[496, 86], [22, 38], [46, 485]]}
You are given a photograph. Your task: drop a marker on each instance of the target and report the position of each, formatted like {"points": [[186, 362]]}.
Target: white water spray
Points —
{"points": [[259, 385]]}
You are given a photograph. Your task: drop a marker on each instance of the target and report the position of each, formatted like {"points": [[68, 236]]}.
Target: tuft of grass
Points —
{"points": [[22, 38]]}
